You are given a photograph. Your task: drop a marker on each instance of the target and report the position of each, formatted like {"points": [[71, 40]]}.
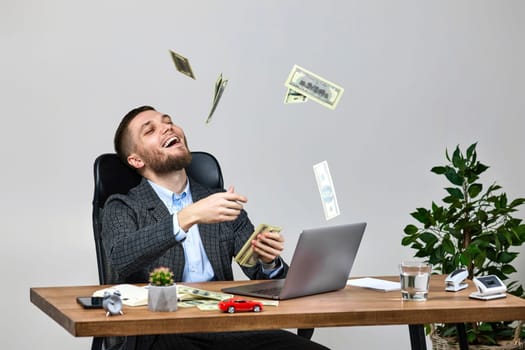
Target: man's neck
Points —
{"points": [[174, 181]]}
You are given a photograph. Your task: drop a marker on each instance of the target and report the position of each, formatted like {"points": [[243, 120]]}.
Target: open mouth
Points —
{"points": [[171, 142]]}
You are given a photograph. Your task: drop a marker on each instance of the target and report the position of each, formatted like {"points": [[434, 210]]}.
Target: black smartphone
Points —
{"points": [[90, 302]]}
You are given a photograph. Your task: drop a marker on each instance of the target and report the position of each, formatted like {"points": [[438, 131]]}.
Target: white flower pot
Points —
{"points": [[162, 298]]}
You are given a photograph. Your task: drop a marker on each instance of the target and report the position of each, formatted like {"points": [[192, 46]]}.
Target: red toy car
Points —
{"points": [[237, 304]]}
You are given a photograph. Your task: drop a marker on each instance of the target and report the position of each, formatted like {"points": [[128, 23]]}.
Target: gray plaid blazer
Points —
{"points": [[137, 234]]}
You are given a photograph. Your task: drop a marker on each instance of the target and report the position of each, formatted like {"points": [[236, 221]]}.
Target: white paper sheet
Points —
{"points": [[131, 295], [375, 283]]}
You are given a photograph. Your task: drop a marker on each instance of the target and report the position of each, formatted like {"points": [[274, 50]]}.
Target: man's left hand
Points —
{"points": [[268, 246]]}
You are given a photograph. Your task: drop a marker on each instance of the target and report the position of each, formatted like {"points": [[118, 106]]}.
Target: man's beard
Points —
{"points": [[167, 165]]}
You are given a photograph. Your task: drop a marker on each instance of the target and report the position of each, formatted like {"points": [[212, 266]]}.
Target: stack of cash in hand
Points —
{"points": [[246, 256], [303, 85]]}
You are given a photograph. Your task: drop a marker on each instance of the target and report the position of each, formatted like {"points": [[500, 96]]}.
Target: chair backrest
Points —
{"points": [[112, 176]]}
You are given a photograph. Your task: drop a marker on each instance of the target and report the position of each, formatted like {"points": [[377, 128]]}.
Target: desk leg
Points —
{"points": [[417, 337], [462, 336]]}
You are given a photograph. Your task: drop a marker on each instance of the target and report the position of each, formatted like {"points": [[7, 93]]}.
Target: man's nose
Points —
{"points": [[166, 128]]}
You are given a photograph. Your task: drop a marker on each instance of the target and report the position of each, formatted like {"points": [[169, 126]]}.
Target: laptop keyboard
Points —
{"points": [[268, 291]]}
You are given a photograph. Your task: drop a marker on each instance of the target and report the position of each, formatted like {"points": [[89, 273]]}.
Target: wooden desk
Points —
{"points": [[352, 306]]}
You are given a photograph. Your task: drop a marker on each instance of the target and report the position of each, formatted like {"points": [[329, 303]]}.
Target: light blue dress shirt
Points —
{"points": [[197, 267]]}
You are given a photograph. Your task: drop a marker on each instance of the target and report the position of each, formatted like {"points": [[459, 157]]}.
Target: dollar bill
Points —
{"points": [[314, 87], [294, 97], [182, 64], [185, 296], [246, 256], [209, 307], [201, 293], [220, 85], [197, 302], [267, 302], [326, 190], [184, 304]]}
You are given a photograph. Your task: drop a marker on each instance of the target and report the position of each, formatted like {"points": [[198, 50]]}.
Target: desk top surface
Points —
{"points": [[351, 306]]}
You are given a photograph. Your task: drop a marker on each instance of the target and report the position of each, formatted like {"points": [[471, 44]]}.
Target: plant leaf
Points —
{"points": [[410, 229], [454, 177], [457, 158], [428, 238], [448, 246], [408, 240], [471, 150], [474, 190], [479, 168], [422, 215], [485, 326], [506, 257], [455, 192], [440, 170], [508, 269], [517, 202]]}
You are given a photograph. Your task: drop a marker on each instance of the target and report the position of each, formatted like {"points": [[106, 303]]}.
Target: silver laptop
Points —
{"points": [[321, 263]]}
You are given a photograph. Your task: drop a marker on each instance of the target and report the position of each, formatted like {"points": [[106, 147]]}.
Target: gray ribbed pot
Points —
{"points": [[162, 298]]}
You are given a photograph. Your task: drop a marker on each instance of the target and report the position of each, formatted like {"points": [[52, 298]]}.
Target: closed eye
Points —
{"points": [[167, 119]]}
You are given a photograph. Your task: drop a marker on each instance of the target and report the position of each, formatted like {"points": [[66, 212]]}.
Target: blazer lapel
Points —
{"points": [[150, 200], [158, 211]]}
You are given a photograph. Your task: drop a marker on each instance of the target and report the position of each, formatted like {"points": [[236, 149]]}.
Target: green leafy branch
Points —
{"points": [[474, 228]]}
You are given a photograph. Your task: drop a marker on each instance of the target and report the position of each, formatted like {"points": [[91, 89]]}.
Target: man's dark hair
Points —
{"points": [[122, 141]]}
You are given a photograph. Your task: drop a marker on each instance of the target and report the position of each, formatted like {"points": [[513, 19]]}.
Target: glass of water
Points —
{"points": [[415, 277]]}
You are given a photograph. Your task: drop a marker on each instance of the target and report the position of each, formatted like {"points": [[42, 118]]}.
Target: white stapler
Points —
{"points": [[489, 287], [454, 281]]}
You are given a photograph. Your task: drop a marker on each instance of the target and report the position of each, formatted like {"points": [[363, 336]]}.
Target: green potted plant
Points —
{"points": [[473, 228], [162, 290]]}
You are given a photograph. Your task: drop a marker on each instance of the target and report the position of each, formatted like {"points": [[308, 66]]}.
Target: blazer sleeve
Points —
{"points": [[131, 238]]}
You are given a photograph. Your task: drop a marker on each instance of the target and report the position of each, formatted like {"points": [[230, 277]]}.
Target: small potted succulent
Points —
{"points": [[162, 290]]}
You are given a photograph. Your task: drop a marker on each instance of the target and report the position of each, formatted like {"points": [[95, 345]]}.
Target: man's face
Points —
{"points": [[160, 145]]}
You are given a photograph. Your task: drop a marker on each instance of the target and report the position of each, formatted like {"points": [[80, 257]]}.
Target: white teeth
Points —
{"points": [[170, 141]]}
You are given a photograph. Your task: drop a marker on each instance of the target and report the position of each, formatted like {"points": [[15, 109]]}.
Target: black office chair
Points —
{"points": [[112, 176]]}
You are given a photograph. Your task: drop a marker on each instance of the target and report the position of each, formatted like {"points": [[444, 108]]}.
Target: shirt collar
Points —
{"points": [[166, 196]]}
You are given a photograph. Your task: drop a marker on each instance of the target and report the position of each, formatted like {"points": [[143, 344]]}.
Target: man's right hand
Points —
{"points": [[219, 207]]}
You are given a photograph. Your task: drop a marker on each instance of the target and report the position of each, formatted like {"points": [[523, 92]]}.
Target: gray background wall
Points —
{"points": [[420, 76]]}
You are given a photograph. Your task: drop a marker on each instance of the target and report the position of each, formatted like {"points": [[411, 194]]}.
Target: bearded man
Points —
{"points": [[171, 220]]}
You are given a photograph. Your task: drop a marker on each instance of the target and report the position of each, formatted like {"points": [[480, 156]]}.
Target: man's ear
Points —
{"points": [[135, 161]]}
